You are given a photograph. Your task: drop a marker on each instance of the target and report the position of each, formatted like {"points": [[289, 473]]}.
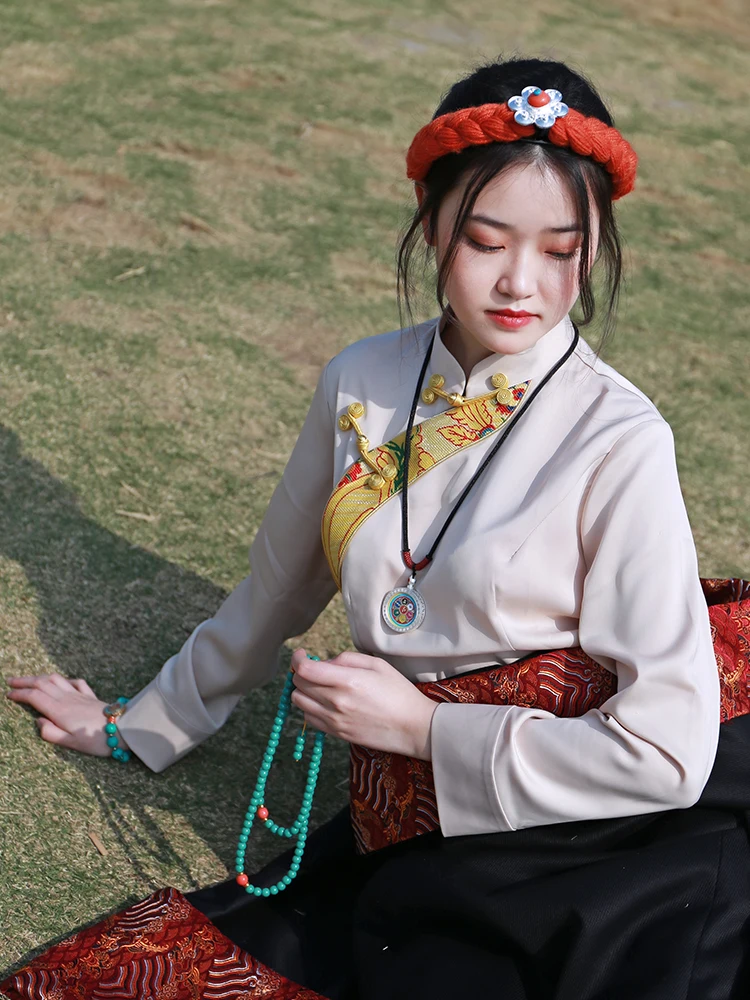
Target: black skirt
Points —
{"points": [[648, 907]]}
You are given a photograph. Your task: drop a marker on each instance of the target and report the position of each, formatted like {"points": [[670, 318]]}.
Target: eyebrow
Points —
{"points": [[497, 224]]}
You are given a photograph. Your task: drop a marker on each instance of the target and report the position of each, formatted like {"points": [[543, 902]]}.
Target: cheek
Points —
{"points": [[472, 274], [561, 281]]}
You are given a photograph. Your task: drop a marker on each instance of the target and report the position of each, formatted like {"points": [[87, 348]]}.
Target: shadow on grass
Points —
{"points": [[108, 610], [112, 612]]}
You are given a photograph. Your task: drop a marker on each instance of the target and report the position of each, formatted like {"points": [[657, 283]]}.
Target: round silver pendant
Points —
{"points": [[404, 608]]}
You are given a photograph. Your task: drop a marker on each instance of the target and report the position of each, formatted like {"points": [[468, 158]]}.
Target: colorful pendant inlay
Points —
{"points": [[404, 608]]}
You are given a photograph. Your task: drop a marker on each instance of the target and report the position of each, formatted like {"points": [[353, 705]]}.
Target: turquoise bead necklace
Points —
{"points": [[258, 810]]}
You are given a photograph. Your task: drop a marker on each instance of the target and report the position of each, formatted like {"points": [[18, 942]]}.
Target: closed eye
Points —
{"points": [[491, 248], [483, 247]]}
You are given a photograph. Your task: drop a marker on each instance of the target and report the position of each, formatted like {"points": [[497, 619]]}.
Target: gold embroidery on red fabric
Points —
{"points": [[392, 798]]}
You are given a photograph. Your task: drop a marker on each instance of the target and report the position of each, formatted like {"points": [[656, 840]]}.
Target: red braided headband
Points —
{"points": [[487, 123]]}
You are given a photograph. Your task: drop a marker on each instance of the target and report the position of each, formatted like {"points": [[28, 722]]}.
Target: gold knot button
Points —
{"points": [[378, 479], [499, 381], [435, 389], [350, 421], [354, 412]]}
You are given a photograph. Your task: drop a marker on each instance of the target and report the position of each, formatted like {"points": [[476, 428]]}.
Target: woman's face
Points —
{"points": [[518, 254]]}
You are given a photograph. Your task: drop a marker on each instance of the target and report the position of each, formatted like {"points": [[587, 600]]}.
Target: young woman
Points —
{"points": [[534, 704]]}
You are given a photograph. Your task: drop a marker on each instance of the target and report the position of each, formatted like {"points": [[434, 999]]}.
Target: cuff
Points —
{"points": [[463, 738], [155, 732]]}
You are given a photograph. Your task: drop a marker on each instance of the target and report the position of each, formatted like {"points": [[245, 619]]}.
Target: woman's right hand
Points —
{"points": [[71, 715]]}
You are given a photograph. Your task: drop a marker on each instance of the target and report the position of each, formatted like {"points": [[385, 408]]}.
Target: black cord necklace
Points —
{"points": [[404, 608]]}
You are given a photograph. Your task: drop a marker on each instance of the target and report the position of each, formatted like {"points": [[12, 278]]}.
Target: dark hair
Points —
{"points": [[495, 84]]}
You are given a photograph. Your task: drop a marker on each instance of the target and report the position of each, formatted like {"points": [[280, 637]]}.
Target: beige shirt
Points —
{"points": [[577, 533]]}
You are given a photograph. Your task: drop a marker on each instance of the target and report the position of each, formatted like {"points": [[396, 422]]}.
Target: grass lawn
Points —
{"points": [[199, 206]]}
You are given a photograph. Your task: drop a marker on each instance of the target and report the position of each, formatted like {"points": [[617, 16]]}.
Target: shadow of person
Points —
{"points": [[112, 612]]}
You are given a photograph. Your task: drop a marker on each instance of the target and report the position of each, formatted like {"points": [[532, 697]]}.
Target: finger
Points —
{"points": [[19, 694], [322, 696], [314, 722], [41, 682], [81, 685], [297, 657], [320, 722], [351, 658], [53, 734], [35, 697], [322, 672], [307, 704], [300, 657], [59, 681], [24, 682]]}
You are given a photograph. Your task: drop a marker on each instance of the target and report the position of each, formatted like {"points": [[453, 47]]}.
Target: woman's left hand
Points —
{"points": [[363, 699]]}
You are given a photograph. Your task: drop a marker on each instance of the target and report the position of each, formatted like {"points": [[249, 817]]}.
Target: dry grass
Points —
{"points": [[199, 205], [28, 69]]}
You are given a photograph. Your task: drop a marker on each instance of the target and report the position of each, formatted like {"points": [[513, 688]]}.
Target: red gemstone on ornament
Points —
{"points": [[262, 813], [538, 100], [242, 879]]}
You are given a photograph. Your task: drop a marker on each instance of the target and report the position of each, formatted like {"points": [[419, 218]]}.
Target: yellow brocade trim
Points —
{"points": [[433, 441]]}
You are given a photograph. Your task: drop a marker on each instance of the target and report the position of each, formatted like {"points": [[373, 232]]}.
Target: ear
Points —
{"points": [[420, 191]]}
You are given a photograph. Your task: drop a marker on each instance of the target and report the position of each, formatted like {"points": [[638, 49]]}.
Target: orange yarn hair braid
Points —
{"points": [[478, 126]]}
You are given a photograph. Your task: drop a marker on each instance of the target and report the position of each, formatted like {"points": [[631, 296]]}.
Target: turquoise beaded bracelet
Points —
{"points": [[258, 810], [113, 712]]}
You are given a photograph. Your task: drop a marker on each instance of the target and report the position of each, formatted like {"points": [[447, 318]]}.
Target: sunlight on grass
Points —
{"points": [[199, 206]]}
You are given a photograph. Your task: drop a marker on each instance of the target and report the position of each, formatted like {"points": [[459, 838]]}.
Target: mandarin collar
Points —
{"points": [[530, 364]]}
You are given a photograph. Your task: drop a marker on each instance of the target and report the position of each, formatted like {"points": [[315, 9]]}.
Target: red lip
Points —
{"points": [[510, 312]]}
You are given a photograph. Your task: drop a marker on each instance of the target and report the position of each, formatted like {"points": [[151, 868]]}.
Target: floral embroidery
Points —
{"points": [[433, 441], [392, 798]]}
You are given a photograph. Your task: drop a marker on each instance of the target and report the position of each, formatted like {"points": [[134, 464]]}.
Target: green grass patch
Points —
{"points": [[199, 207]]}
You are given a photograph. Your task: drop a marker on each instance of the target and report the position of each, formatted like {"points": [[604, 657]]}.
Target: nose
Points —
{"points": [[517, 276]]}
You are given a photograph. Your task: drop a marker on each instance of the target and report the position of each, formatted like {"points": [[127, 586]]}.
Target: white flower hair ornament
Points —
{"points": [[538, 107]]}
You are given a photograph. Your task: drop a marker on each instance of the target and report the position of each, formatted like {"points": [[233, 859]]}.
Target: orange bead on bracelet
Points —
{"points": [[112, 714]]}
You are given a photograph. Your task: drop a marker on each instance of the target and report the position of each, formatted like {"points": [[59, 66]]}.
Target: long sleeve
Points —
{"points": [[651, 746], [237, 650]]}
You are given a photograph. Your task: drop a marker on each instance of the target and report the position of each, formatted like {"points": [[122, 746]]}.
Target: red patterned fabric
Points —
{"points": [[161, 948], [392, 797]]}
